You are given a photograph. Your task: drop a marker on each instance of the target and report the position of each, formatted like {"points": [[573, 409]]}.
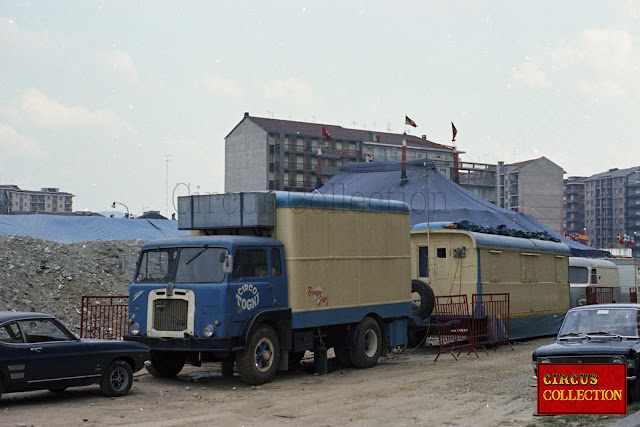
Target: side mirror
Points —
{"points": [[227, 262]]}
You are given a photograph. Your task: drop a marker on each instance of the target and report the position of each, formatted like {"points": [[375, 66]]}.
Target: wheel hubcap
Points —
{"points": [[118, 379], [264, 354], [370, 343]]}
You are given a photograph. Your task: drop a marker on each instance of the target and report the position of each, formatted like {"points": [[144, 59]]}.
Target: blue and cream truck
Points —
{"points": [[265, 276]]}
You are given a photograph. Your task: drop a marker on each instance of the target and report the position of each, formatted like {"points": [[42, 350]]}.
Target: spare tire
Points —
{"points": [[422, 299]]}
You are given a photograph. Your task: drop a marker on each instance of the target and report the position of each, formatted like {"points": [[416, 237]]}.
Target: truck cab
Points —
{"points": [[194, 295]]}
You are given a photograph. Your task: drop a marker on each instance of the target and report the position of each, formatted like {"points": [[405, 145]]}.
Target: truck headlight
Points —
{"points": [[617, 360], [207, 331], [135, 329], [631, 363]]}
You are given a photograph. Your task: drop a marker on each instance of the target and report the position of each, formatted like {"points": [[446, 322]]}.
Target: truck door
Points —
{"points": [[250, 287]]}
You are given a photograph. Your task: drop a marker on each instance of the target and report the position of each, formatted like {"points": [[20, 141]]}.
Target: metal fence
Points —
{"points": [[453, 324], [104, 317], [599, 295], [490, 319]]}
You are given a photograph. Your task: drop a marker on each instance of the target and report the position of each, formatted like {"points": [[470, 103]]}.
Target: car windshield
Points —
{"points": [[186, 265], [597, 321]]}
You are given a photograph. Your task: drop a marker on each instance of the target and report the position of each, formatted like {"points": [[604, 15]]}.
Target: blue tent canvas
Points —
{"points": [[447, 201]]}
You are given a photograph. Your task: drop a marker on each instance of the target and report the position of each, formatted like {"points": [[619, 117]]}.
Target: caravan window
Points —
{"points": [[442, 253], [423, 261], [594, 276], [578, 275]]}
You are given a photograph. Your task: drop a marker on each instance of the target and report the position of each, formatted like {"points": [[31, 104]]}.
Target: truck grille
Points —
{"points": [[170, 314]]}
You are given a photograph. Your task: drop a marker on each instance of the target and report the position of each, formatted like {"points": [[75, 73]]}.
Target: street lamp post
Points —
{"points": [[113, 205]]}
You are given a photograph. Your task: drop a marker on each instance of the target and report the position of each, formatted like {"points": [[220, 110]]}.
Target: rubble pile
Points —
{"points": [[45, 276]]}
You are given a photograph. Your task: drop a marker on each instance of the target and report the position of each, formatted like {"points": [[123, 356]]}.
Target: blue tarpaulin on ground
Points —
{"points": [[448, 201], [70, 229]]}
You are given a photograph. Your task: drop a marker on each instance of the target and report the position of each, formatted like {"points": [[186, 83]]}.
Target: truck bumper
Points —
{"points": [[214, 345]]}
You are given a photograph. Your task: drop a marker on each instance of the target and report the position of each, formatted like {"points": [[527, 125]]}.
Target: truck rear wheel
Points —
{"points": [[165, 364], [422, 299], [258, 362], [368, 345]]}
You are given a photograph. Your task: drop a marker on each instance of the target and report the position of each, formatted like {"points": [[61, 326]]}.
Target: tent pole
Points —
{"points": [[426, 162]]}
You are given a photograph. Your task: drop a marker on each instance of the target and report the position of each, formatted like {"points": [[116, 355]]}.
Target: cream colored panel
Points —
{"points": [[340, 258]]}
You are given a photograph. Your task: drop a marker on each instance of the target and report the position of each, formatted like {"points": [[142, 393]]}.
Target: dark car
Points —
{"points": [[599, 333], [37, 353]]}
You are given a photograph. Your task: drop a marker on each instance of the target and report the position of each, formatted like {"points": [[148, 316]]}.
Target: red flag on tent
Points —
{"points": [[326, 134]]}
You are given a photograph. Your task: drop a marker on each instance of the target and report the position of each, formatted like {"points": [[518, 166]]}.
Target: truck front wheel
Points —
{"points": [[258, 362], [368, 345], [165, 364]]}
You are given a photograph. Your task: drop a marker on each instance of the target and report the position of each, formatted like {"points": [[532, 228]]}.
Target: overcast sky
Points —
{"points": [[94, 95]]}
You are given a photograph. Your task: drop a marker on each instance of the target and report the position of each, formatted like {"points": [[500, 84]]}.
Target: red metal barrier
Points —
{"points": [[633, 294], [104, 317], [599, 295], [453, 324], [490, 319]]}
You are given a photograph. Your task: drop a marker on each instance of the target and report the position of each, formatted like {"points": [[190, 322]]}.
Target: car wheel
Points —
{"points": [[165, 364], [368, 345], [258, 362], [117, 379]]}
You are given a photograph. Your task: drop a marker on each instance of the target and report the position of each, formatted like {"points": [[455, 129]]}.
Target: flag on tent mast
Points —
{"points": [[455, 132]]}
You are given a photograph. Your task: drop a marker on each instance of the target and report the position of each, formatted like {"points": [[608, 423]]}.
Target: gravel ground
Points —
{"points": [[45, 276]]}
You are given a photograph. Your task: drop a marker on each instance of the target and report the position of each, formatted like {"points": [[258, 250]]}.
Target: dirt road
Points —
{"points": [[410, 389]]}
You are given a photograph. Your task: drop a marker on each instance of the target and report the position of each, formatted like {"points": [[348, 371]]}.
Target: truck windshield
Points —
{"points": [[172, 265], [200, 265]]}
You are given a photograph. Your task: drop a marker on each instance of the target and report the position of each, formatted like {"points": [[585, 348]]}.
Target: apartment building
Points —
{"points": [[533, 187], [14, 200], [574, 207], [272, 154], [612, 207]]}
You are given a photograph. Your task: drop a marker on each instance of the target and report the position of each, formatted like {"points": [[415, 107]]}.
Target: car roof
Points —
{"points": [[606, 306], [6, 316]]}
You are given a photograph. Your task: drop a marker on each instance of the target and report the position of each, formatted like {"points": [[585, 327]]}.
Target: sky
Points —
{"points": [[130, 101]]}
